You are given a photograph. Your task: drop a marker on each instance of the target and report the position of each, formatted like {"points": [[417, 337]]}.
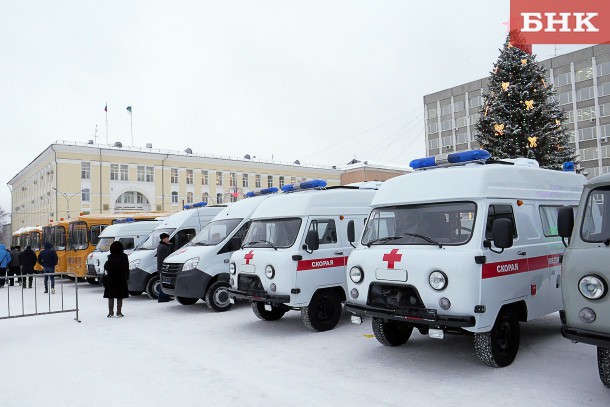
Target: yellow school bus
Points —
{"points": [[16, 236], [83, 235], [32, 237], [56, 233]]}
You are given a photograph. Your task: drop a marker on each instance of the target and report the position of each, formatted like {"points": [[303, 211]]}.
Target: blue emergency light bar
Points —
{"points": [[187, 207], [568, 166], [314, 183], [264, 191], [200, 204], [124, 220], [461, 157]]}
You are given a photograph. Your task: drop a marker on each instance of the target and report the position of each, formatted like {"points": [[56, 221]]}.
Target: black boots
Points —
{"points": [[110, 307], [119, 305]]}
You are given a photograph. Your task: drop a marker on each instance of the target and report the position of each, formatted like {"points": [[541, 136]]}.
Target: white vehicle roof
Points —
{"points": [[131, 228], [338, 200], [179, 218], [603, 179], [31, 229], [242, 209], [474, 181]]}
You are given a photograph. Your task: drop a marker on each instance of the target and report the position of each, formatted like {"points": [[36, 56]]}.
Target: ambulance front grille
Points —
{"points": [[250, 284], [394, 296], [91, 270], [169, 271]]}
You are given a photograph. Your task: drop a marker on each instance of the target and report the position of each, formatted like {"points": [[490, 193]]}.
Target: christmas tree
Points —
{"points": [[520, 116]]}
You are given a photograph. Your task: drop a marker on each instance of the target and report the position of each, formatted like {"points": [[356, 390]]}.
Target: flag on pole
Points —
{"points": [[106, 108], [129, 109]]}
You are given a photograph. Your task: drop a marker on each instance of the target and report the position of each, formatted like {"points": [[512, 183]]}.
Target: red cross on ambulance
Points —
{"points": [[249, 256], [392, 258]]}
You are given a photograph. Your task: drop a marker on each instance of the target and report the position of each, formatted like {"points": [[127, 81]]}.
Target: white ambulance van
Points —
{"points": [[128, 232], [201, 268], [462, 244], [181, 227], [585, 272], [294, 255]]}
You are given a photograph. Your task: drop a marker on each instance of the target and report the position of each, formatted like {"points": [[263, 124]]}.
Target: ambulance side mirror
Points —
{"points": [[502, 233], [351, 232], [565, 223], [312, 240]]}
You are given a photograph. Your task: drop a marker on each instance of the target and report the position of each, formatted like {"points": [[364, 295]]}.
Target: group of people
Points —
{"points": [[19, 265]]}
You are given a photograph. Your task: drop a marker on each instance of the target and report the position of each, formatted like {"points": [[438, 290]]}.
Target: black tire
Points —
{"points": [[153, 285], [323, 312], [260, 311], [391, 333], [499, 347], [92, 281], [603, 364], [135, 293], [187, 301], [217, 297]]}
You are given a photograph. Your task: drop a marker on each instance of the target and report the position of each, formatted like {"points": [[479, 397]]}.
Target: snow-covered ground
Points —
{"points": [[170, 354]]}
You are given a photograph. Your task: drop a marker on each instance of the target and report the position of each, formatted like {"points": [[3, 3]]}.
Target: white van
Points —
{"points": [[200, 269], [294, 255], [130, 233], [181, 227], [472, 246]]}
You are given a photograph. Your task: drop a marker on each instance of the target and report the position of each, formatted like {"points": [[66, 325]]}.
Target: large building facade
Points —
{"points": [[582, 82], [68, 179]]}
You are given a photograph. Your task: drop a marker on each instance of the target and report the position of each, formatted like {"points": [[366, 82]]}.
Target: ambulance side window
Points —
{"points": [[183, 237], [499, 212], [327, 231], [548, 215]]}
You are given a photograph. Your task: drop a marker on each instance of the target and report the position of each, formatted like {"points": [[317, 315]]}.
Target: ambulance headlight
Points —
{"points": [[269, 272], [190, 264], [356, 274], [592, 287], [438, 280], [232, 268], [134, 264]]}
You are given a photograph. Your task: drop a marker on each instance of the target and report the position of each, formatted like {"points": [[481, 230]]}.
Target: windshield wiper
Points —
{"points": [[259, 241], [383, 240], [201, 244], [426, 238]]}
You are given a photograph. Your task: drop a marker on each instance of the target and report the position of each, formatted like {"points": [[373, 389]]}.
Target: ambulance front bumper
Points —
{"points": [[261, 296], [417, 316], [588, 337]]}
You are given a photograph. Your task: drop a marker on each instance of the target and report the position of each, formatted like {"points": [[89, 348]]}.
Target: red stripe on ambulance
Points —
{"points": [[316, 264], [505, 268]]}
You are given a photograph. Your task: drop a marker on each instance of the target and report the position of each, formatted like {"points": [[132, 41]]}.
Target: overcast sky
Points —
{"points": [[319, 81]]}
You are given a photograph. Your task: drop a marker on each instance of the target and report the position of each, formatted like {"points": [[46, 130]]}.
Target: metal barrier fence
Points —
{"points": [[42, 310]]}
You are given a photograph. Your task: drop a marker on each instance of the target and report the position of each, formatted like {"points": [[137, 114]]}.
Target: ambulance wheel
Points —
{"points": [[187, 301], [260, 311], [499, 347], [153, 286], [603, 364], [135, 293], [92, 281], [391, 333], [217, 297], [323, 312]]}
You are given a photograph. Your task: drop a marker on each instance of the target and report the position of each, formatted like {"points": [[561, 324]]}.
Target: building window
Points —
{"points": [[447, 141], [475, 101], [174, 197], [85, 170], [281, 181], [564, 98], [433, 144], [150, 174], [459, 105], [603, 89], [205, 178], [244, 180], [462, 138], [219, 178], [432, 113], [584, 74], [174, 176], [141, 174], [124, 172], [587, 134], [584, 94], [603, 69], [232, 180], [604, 110], [269, 181], [86, 195], [588, 154], [446, 125], [189, 197], [189, 177], [114, 172], [461, 121], [145, 174], [257, 181], [563, 79], [445, 110], [605, 130], [474, 119], [586, 114], [204, 197], [433, 128], [219, 198]]}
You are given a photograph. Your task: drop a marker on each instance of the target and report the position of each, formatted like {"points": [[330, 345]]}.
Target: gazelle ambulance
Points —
{"points": [[294, 255], [181, 227], [462, 244], [585, 272], [201, 269]]}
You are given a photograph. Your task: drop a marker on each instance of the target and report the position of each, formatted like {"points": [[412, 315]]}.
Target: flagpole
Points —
{"points": [[131, 123], [106, 109]]}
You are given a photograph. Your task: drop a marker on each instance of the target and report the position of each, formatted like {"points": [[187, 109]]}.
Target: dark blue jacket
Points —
{"points": [[48, 257]]}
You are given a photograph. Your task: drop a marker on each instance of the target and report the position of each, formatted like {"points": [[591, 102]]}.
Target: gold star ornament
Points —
{"points": [[505, 86], [533, 141], [499, 128]]}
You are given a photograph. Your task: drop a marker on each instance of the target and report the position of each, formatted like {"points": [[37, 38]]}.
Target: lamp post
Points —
{"points": [[68, 198]]}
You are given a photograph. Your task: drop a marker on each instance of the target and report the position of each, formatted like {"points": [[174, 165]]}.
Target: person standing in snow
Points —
{"points": [[5, 259], [115, 281], [14, 269], [28, 260], [48, 260], [163, 250]]}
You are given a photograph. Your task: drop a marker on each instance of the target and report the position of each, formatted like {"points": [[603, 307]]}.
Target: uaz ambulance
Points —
{"points": [[585, 272], [471, 246], [200, 269], [294, 255], [181, 227], [128, 232]]}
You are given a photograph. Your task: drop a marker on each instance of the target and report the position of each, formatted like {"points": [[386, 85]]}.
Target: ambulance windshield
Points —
{"points": [[427, 224], [273, 233], [215, 232], [596, 218], [153, 239]]}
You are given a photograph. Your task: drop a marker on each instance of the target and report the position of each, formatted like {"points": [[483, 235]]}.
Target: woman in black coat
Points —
{"points": [[115, 281]]}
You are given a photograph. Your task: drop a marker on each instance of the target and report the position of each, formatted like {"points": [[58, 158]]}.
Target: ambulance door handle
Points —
{"points": [[338, 253], [521, 253]]}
